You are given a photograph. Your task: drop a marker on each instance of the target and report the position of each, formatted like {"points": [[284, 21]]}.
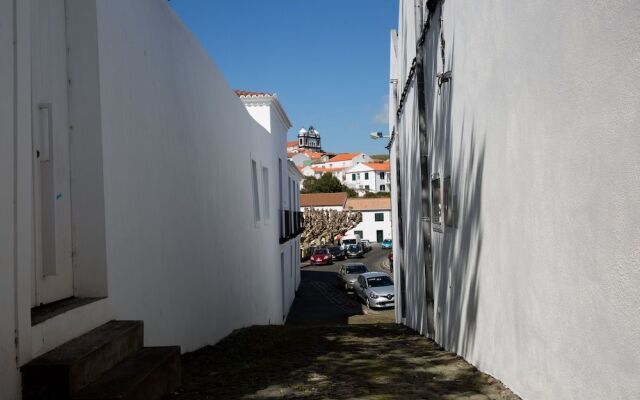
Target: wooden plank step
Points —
{"points": [[75, 364], [152, 373]]}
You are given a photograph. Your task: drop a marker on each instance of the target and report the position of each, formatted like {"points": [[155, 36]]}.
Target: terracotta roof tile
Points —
{"points": [[327, 169], [378, 203], [323, 199], [344, 157], [379, 166], [247, 93]]}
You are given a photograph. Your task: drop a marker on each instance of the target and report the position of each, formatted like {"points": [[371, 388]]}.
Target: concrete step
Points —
{"points": [[153, 373], [72, 366]]}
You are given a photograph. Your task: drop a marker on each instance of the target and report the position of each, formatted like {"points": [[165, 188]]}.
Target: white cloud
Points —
{"points": [[382, 116]]}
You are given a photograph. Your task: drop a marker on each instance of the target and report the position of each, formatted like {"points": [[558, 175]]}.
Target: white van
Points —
{"points": [[348, 240]]}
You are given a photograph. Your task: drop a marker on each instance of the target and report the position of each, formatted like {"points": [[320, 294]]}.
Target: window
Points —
{"points": [[379, 216], [383, 188], [366, 175], [353, 177], [436, 203], [265, 192], [256, 193], [300, 141], [366, 187], [449, 211], [359, 233], [381, 175]]}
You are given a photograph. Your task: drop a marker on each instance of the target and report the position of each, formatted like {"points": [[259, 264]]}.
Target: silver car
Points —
{"points": [[349, 273], [375, 289]]}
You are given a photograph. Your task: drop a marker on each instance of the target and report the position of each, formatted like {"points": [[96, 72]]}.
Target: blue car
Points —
{"points": [[387, 244]]}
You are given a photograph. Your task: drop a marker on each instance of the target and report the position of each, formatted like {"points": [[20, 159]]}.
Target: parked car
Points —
{"points": [[387, 244], [348, 274], [366, 245], [375, 289], [355, 250], [321, 256], [337, 253]]}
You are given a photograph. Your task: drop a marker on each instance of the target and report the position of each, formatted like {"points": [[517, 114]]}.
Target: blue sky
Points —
{"points": [[327, 60]]}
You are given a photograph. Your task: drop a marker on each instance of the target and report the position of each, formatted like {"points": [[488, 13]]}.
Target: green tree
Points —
{"points": [[326, 184]]}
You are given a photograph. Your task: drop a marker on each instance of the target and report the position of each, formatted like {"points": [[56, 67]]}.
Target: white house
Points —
{"points": [[376, 218], [323, 201], [368, 177], [345, 160], [515, 189], [134, 182]]}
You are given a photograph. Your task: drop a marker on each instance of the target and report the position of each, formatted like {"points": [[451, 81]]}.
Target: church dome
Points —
{"points": [[302, 132]]}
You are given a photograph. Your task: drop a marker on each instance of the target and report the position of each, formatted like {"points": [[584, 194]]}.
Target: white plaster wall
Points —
{"points": [[8, 369], [369, 226], [183, 250], [538, 283], [262, 115]]}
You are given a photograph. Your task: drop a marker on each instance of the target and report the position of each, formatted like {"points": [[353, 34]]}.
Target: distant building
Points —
{"points": [[323, 201], [376, 218], [346, 160], [368, 177], [309, 139]]}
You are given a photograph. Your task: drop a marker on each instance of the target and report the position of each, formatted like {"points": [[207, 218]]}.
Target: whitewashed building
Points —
{"points": [[368, 177], [515, 189], [345, 160], [133, 182], [376, 218]]}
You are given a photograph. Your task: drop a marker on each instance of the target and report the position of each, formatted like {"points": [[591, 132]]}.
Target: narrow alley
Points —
{"points": [[332, 347]]}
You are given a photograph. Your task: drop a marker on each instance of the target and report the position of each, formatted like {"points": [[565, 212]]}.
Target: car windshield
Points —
{"points": [[320, 251], [378, 281], [356, 269], [334, 250], [354, 247], [349, 241], [387, 241]]}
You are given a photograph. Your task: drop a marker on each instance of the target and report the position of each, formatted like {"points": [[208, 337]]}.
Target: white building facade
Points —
{"points": [[376, 218], [125, 187], [515, 191], [345, 160], [368, 177]]}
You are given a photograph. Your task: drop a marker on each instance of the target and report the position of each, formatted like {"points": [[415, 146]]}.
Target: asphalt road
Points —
{"points": [[320, 301]]}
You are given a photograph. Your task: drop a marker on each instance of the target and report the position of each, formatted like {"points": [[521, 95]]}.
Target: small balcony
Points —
{"points": [[291, 224]]}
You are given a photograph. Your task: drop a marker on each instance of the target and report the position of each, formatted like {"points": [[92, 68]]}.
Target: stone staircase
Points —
{"points": [[107, 363]]}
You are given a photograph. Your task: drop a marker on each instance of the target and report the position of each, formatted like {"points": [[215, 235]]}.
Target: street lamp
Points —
{"points": [[378, 135]]}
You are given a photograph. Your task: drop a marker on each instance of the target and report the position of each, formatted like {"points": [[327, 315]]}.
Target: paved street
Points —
{"points": [[332, 347], [321, 301]]}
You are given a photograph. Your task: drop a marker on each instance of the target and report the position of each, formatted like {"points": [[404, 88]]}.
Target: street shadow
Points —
{"points": [[340, 362], [458, 153], [320, 301]]}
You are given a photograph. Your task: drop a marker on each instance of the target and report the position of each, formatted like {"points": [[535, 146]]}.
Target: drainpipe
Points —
{"points": [[419, 18]]}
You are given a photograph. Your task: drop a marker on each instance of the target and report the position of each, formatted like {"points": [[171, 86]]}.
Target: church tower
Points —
{"points": [[309, 139]]}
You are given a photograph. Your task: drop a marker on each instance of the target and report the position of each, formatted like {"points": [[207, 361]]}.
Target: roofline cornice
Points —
{"points": [[266, 100]]}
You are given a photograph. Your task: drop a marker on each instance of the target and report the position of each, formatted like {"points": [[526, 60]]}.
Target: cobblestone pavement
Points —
{"points": [[382, 361], [333, 348]]}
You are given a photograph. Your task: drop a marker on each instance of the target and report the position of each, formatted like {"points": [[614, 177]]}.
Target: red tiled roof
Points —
{"points": [[247, 93], [292, 143], [377, 203], [323, 199], [313, 155], [344, 157], [379, 166], [327, 169]]}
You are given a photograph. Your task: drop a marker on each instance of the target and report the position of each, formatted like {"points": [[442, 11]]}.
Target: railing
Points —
{"points": [[291, 224]]}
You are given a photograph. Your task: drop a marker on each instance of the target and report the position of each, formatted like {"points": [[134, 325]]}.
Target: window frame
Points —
{"points": [[375, 217], [436, 203]]}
